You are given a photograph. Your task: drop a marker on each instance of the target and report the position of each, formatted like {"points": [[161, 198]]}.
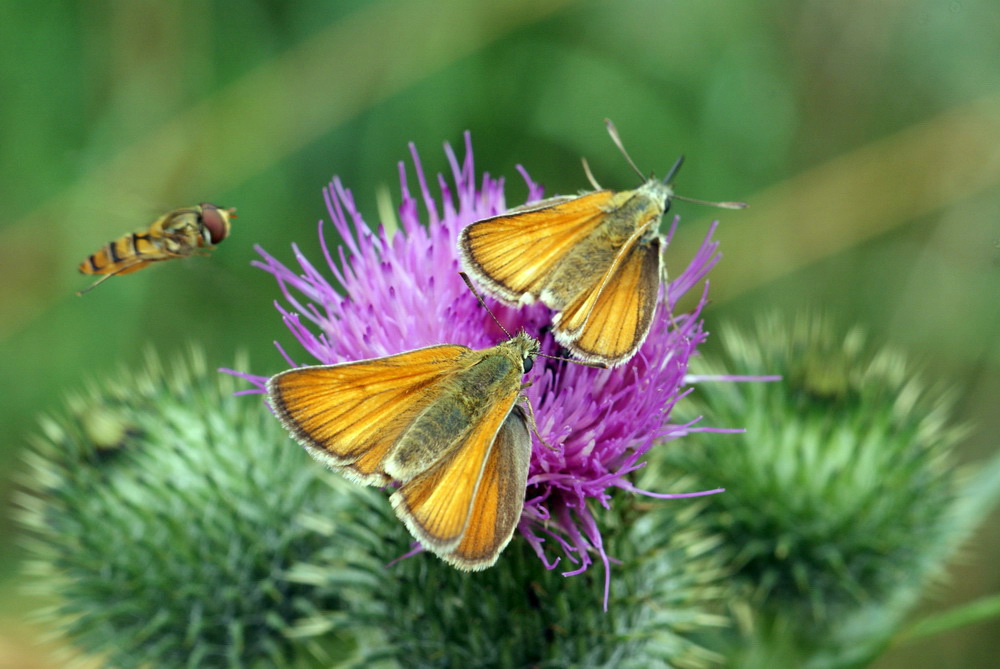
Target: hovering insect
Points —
{"points": [[595, 258], [176, 234]]}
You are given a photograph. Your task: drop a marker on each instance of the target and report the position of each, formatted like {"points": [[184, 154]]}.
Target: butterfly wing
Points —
{"points": [[499, 499], [350, 415], [437, 504], [609, 323], [513, 255]]}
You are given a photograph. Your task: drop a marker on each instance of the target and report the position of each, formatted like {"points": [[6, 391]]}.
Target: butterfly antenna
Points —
{"points": [[590, 175], [723, 205], [472, 289], [468, 282], [613, 131], [585, 363], [674, 170]]}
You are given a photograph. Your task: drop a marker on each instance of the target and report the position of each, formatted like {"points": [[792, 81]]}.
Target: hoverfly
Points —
{"points": [[176, 234]]}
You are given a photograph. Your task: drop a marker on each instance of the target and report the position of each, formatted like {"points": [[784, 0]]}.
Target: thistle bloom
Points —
{"points": [[403, 291]]}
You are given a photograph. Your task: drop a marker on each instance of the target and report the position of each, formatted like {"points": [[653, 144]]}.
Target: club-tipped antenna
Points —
{"points": [[721, 205], [468, 282], [585, 363], [674, 170], [613, 131]]}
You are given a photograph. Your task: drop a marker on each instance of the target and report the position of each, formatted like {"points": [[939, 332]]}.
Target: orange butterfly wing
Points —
{"points": [[608, 323], [350, 415], [437, 504], [514, 254], [499, 498]]}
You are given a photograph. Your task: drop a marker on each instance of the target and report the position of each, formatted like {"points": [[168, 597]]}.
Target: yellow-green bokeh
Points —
{"points": [[866, 137]]}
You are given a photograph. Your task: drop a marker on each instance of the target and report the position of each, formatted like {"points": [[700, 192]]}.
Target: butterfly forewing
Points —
{"points": [[436, 504], [515, 254], [351, 415]]}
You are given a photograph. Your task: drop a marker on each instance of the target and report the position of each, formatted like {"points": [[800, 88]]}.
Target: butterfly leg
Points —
{"points": [[666, 289], [531, 419]]}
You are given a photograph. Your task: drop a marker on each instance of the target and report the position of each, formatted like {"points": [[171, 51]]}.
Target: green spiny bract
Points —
{"points": [[177, 525], [423, 613], [163, 519], [840, 486]]}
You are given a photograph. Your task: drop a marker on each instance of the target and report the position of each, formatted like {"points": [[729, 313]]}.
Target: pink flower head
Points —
{"points": [[401, 292]]}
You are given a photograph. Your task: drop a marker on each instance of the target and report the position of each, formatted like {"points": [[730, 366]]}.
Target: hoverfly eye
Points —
{"points": [[213, 219], [527, 364]]}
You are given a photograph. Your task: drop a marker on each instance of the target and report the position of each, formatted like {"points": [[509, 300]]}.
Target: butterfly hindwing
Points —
{"points": [[436, 505], [499, 499], [610, 324]]}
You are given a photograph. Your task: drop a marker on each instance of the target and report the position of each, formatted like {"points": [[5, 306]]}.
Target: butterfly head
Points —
{"points": [[526, 347]]}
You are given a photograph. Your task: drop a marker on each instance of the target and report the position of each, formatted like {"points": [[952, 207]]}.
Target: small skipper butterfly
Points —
{"points": [[595, 258]]}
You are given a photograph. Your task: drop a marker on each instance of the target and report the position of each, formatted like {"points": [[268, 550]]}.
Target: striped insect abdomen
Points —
{"points": [[126, 254]]}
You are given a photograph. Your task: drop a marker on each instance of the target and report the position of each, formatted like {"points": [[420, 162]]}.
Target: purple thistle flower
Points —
{"points": [[403, 291]]}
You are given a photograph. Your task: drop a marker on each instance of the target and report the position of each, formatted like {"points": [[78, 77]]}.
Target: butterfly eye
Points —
{"points": [[527, 364]]}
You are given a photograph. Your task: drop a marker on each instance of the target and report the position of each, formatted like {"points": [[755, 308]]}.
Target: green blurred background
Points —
{"points": [[865, 135]]}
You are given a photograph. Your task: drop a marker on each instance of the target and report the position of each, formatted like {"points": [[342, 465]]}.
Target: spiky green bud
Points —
{"points": [[177, 525], [422, 613], [841, 485], [163, 514]]}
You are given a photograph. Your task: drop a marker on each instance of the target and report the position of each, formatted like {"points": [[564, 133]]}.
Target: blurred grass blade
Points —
{"points": [[980, 610], [859, 195]]}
